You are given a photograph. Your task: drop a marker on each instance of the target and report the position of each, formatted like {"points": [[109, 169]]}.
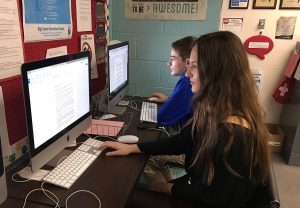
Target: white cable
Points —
{"points": [[44, 190], [131, 102], [49, 197], [18, 181], [86, 192], [165, 130], [104, 136], [160, 129], [55, 199]]}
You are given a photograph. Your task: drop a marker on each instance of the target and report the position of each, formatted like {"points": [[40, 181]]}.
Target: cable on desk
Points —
{"points": [[55, 199], [44, 190], [133, 105], [18, 181], [163, 129], [49, 197], [75, 192], [104, 136]]}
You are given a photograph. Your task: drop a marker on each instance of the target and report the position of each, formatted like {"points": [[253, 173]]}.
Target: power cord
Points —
{"points": [[75, 192], [55, 198], [161, 128], [44, 190], [104, 136], [19, 181], [52, 196], [133, 105]]}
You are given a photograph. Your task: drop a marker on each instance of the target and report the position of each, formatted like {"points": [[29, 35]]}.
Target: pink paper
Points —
{"points": [[104, 127]]}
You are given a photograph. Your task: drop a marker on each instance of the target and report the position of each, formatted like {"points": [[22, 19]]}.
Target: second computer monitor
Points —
{"points": [[57, 94], [118, 71]]}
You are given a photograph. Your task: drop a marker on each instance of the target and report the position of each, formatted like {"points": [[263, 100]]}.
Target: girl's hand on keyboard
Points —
{"points": [[119, 148]]}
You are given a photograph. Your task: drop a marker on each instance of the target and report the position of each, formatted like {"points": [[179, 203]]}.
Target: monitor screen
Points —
{"points": [[117, 68], [57, 99]]}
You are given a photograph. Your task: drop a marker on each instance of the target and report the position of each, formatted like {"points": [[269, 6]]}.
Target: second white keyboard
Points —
{"points": [[149, 112], [68, 171]]}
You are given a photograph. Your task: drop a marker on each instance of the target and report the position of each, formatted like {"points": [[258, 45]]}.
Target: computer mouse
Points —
{"points": [[128, 139], [153, 99]]}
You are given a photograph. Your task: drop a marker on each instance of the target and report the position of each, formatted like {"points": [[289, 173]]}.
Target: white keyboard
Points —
{"points": [[68, 171], [149, 112]]}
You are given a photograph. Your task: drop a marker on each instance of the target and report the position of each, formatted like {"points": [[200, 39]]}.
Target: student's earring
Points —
{"points": [[187, 63]]}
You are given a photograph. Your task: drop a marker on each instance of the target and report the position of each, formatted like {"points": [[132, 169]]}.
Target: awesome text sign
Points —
{"points": [[166, 9]]}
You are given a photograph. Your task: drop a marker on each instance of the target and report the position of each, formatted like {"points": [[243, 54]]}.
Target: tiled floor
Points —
{"points": [[288, 182]]}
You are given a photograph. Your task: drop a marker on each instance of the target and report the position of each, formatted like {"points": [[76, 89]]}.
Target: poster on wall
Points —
{"points": [[87, 44], [84, 15], [11, 49], [166, 9], [45, 20], [285, 28], [233, 24], [257, 75]]}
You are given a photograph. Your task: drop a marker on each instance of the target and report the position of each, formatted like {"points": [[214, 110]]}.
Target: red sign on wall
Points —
{"points": [[258, 45]]}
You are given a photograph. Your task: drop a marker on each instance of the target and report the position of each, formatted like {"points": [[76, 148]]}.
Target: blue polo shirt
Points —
{"points": [[178, 107]]}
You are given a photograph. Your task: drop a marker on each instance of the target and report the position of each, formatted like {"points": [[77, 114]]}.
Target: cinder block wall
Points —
{"points": [[150, 45]]}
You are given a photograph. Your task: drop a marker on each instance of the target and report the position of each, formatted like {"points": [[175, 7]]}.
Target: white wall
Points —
{"points": [[275, 61]]}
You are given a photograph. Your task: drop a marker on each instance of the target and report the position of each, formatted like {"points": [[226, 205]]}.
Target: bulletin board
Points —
{"points": [[12, 86]]}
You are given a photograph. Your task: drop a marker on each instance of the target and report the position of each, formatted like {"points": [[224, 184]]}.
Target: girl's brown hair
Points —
{"points": [[227, 88]]}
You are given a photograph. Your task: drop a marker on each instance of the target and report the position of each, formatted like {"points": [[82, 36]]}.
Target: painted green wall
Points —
{"points": [[150, 42]]}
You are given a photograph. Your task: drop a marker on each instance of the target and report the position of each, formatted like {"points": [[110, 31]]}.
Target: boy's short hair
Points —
{"points": [[184, 46]]}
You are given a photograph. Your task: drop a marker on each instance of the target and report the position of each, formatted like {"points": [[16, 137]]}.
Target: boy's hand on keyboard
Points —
{"points": [[159, 97], [119, 148]]}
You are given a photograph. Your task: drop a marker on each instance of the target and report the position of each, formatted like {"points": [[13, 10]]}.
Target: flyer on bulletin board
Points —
{"points": [[11, 49], [45, 20], [87, 44]]}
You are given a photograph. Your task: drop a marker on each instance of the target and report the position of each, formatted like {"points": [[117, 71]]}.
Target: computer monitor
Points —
{"points": [[57, 96], [118, 71]]}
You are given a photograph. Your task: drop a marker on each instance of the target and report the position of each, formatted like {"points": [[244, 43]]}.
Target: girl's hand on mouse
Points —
{"points": [[161, 98], [119, 148]]}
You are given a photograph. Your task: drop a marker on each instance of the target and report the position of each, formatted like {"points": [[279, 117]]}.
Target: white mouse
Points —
{"points": [[153, 99], [128, 139]]}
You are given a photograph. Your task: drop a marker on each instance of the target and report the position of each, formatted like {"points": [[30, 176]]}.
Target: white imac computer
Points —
{"points": [[57, 96], [118, 71]]}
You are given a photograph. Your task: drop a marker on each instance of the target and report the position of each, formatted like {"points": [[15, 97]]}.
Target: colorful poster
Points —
{"points": [[88, 44], [166, 9], [45, 20]]}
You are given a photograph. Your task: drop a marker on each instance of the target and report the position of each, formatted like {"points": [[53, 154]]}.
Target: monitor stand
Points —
{"points": [[38, 175], [119, 110]]}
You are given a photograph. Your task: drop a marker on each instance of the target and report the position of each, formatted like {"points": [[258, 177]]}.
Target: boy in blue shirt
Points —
{"points": [[176, 109]]}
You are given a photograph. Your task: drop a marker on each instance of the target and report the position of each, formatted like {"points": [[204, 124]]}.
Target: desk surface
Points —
{"points": [[110, 178], [11, 202]]}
